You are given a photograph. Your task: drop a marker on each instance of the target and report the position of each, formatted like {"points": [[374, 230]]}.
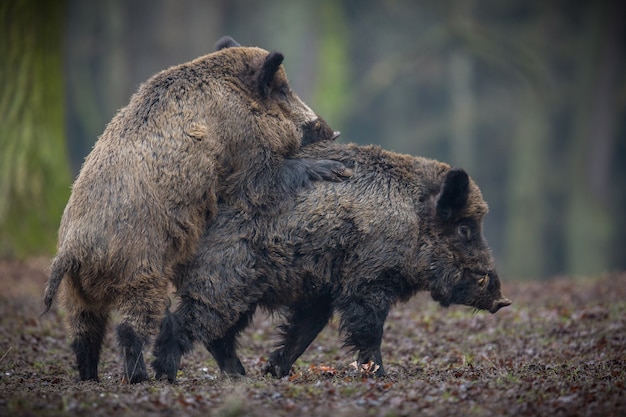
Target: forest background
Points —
{"points": [[529, 96]]}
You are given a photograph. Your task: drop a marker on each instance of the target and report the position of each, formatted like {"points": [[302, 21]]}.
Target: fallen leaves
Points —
{"points": [[322, 369], [560, 350], [366, 369]]}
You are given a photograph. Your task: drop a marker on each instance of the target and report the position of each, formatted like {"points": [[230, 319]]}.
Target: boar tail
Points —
{"points": [[61, 265]]}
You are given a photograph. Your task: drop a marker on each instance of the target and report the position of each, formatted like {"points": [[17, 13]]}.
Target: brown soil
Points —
{"points": [[559, 350]]}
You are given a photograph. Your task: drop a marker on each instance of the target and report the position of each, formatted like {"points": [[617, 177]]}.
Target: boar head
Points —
{"points": [[461, 264], [273, 87]]}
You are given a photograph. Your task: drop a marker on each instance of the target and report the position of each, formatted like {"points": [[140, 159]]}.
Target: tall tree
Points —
{"points": [[34, 169], [590, 224]]}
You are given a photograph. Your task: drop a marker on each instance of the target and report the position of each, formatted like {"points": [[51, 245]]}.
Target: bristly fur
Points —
{"points": [[399, 225], [170, 339], [133, 344], [193, 136], [61, 266], [88, 343]]}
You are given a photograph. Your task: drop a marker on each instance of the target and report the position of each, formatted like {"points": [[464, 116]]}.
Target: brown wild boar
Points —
{"points": [[399, 225], [221, 127]]}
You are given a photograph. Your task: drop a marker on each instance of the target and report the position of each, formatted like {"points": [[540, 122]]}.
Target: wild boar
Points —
{"points": [[223, 127], [401, 224]]}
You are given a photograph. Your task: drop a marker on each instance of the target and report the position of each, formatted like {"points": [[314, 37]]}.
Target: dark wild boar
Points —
{"points": [[399, 225], [224, 127]]}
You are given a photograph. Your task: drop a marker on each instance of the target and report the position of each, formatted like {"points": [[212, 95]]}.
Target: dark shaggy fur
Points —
{"points": [[222, 128], [399, 225]]}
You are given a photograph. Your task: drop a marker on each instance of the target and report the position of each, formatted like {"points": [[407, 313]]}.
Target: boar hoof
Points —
{"points": [[234, 370], [78, 379], [135, 378], [329, 170], [274, 366], [163, 372], [275, 370], [161, 376]]}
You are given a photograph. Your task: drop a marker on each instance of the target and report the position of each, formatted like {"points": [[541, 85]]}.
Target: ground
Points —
{"points": [[559, 350]]}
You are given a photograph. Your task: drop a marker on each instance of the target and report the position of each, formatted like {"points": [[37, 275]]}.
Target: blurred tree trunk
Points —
{"points": [[589, 221], [462, 111], [462, 98], [34, 169], [113, 46], [524, 247]]}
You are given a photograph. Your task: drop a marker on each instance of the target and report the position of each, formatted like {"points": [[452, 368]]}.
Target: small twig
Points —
{"points": [[499, 368], [6, 353], [130, 375], [138, 358], [491, 362]]}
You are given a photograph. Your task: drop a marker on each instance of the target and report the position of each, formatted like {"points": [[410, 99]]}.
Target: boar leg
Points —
{"points": [[142, 311], [375, 356], [171, 344], [131, 345], [327, 170], [196, 321], [303, 325], [362, 323], [174, 340], [224, 350], [88, 328], [299, 173]]}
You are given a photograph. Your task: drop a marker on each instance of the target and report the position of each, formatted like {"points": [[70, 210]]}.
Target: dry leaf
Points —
{"points": [[366, 368]]}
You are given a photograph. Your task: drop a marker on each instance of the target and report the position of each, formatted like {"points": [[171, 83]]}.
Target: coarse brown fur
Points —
{"points": [[219, 128], [399, 225]]}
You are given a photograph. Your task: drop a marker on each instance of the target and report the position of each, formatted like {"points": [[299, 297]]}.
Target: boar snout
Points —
{"points": [[498, 304], [317, 130]]}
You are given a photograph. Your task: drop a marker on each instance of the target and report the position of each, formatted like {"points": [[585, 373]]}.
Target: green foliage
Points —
{"points": [[34, 170], [331, 96]]}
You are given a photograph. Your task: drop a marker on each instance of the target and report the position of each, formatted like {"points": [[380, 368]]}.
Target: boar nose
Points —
{"points": [[499, 303]]}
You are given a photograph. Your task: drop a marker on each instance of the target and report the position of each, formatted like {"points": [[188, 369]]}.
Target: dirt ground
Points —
{"points": [[559, 350]]}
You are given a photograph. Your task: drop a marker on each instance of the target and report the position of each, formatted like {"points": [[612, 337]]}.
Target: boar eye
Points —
{"points": [[483, 281], [282, 92], [464, 232]]}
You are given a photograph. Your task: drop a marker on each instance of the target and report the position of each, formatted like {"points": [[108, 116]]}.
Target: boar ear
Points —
{"points": [[225, 42], [270, 66], [453, 195]]}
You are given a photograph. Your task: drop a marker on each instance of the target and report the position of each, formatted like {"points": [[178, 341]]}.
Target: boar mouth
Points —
{"points": [[478, 289]]}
